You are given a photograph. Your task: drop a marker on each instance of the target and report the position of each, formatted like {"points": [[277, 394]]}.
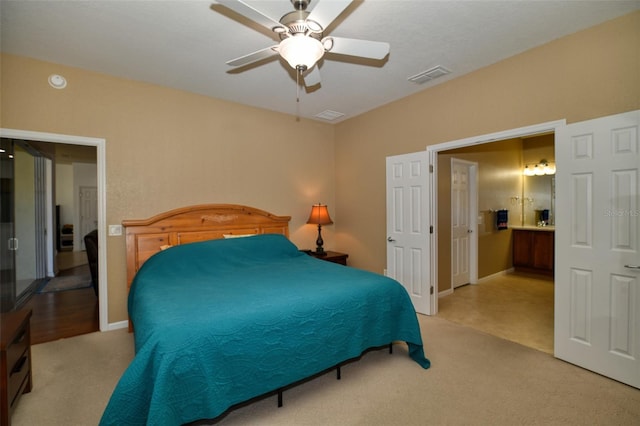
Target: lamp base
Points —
{"points": [[319, 242]]}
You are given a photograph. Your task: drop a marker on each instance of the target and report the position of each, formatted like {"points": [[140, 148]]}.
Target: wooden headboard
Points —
{"points": [[146, 237]]}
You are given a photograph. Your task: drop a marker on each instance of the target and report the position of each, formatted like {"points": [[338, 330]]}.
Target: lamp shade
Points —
{"points": [[301, 51], [319, 215]]}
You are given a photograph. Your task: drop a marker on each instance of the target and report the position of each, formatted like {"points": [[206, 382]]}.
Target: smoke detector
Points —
{"points": [[57, 81]]}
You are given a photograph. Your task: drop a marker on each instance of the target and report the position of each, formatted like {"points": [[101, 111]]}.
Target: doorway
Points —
{"points": [[100, 173], [508, 183], [50, 263]]}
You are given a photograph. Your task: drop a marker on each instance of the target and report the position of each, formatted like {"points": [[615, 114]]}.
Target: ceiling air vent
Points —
{"points": [[329, 115], [429, 74]]}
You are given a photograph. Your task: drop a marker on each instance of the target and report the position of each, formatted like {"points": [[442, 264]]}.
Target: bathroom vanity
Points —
{"points": [[533, 249]]}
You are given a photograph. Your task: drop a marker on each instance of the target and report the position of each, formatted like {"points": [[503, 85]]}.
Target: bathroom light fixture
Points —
{"points": [[540, 169]]}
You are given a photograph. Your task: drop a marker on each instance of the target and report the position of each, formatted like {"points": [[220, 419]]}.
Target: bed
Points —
{"points": [[225, 308]]}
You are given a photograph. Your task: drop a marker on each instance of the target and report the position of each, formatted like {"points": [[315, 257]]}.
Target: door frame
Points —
{"points": [[100, 145], [432, 153], [472, 200]]}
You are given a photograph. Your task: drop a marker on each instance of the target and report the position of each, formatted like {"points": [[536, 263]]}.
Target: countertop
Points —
{"points": [[535, 228]]}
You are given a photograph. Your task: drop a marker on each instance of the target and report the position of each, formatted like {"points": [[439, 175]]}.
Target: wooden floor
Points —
{"points": [[63, 314]]}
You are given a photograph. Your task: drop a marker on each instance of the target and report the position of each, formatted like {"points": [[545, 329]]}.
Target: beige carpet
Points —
{"points": [[475, 379]]}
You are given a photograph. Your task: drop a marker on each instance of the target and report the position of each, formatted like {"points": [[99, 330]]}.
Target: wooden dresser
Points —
{"points": [[16, 361]]}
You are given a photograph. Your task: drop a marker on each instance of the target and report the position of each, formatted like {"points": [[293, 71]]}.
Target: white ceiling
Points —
{"points": [[185, 44]]}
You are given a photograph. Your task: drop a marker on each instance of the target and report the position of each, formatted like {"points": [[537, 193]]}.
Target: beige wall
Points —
{"points": [[166, 149], [582, 76]]}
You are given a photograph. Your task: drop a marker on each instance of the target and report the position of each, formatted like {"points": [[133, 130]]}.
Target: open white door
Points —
{"points": [[408, 226], [463, 223], [597, 278]]}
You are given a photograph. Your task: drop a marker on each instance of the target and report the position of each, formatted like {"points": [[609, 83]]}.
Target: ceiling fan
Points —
{"points": [[302, 39]]}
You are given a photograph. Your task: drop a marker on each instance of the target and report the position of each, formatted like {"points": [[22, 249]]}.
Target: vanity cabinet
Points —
{"points": [[533, 250]]}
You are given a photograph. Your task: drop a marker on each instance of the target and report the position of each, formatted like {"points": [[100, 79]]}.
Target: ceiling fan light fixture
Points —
{"points": [[300, 51]]}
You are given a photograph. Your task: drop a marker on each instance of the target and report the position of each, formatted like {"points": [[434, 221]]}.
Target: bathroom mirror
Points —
{"points": [[538, 200]]}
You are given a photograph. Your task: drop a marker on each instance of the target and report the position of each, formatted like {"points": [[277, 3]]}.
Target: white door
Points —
{"points": [[88, 211], [461, 224], [597, 279], [408, 226]]}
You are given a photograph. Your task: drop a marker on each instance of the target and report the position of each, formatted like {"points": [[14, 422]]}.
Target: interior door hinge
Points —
{"points": [[431, 229], [431, 290], [430, 168]]}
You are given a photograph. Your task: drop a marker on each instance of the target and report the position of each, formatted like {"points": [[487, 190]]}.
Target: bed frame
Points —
{"points": [[146, 237]]}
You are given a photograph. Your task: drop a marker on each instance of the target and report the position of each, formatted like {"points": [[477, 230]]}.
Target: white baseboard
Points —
{"points": [[497, 274], [445, 293], [117, 325]]}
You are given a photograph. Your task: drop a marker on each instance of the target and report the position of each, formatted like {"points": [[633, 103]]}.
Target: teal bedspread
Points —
{"points": [[220, 322]]}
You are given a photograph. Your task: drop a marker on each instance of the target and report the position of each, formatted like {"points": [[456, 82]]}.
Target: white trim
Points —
{"points": [[99, 143], [433, 150], [519, 132], [433, 214], [445, 293], [117, 325], [496, 275]]}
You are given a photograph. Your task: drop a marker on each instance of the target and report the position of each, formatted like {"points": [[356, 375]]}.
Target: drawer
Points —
{"points": [[17, 348], [18, 377]]}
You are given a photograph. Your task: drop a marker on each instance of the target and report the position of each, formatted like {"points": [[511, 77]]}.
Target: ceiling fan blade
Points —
{"points": [[354, 47], [312, 76], [255, 15], [254, 57], [326, 11]]}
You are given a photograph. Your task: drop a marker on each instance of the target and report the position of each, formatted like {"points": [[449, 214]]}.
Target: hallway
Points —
{"points": [[513, 306]]}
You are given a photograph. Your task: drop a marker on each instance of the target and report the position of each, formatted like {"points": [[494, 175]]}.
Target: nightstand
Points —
{"points": [[16, 361], [332, 256]]}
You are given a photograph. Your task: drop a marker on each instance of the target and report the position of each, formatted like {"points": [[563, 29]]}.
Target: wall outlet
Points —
{"points": [[115, 230]]}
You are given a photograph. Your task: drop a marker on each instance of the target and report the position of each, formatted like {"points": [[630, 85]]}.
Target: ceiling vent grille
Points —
{"points": [[329, 115], [429, 74]]}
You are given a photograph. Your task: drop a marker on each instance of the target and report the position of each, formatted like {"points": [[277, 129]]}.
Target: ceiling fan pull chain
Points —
{"points": [[298, 72]]}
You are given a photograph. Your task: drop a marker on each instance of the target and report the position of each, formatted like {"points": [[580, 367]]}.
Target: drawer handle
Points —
{"points": [[20, 338], [18, 367]]}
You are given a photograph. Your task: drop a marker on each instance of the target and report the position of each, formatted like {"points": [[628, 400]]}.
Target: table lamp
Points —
{"points": [[319, 216]]}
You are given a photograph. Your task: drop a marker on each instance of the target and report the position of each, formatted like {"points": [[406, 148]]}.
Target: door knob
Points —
{"points": [[632, 266], [391, 240]]}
